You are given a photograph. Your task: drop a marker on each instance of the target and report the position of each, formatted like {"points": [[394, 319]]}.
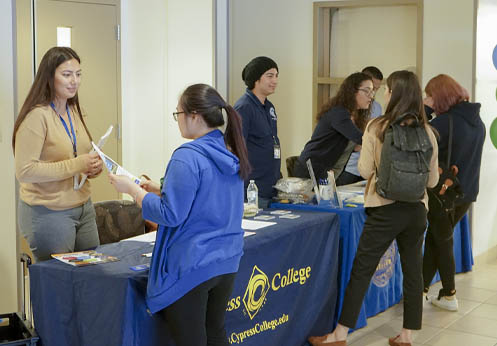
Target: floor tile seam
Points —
{"points": [[472, 333], [440, 330], [434, 326], [484, 317], [471, 309], [473, 286]]}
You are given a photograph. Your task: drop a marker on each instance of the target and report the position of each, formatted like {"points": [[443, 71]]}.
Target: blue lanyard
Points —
{"points": [[73, 138]]}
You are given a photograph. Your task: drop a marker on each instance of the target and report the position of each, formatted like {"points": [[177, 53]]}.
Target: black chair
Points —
{"points": [[117, 220], [290, 164]]}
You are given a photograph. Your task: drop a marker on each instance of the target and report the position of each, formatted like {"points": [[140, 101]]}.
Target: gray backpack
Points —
{"points": [[404, 164]]}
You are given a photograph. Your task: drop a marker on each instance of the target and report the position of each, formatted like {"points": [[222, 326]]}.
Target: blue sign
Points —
{"points": [[494, 57]]}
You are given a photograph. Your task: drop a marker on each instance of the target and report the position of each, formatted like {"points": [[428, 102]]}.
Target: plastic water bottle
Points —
{"points": [[252, 194]]}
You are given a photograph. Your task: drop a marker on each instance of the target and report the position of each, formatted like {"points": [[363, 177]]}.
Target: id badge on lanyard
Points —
{"points": [[276, 150]]}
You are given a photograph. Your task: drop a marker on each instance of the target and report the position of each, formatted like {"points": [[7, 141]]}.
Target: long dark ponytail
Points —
{"points": [[206, 101]]}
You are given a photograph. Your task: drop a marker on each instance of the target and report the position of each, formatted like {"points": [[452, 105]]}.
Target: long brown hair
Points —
{"points": [[406, 98], [206, 101], [42, 91], [445, 92], [346, 97]]}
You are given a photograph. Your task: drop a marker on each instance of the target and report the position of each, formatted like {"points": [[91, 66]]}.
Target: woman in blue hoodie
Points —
{"points": [[447, 98], [199, 211]]}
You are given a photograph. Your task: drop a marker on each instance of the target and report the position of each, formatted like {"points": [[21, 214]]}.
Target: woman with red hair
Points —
{"points": [[448, 99]]}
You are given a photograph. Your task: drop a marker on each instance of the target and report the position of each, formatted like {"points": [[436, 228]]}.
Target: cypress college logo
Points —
{"points": [[255, 294], [259, 285]]}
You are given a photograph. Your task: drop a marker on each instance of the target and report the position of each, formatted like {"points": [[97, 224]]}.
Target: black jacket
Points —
{"points": [[329, 140], [467, 144]]}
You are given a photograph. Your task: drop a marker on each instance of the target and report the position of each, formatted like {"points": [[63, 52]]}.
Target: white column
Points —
{"points": [[485, 209]]}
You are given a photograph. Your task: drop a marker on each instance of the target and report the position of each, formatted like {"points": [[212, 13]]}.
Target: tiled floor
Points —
{"points": [[475, 324]]}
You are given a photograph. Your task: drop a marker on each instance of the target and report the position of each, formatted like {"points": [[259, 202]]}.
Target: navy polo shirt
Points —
{"points": [[261, 134]]}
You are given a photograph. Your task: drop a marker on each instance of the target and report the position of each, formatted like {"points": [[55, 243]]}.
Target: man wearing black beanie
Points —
{"points": [[260, 125]]}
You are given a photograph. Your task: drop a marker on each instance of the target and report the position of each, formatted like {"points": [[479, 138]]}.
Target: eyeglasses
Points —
{"points": [[175, 115], [368, 92]]}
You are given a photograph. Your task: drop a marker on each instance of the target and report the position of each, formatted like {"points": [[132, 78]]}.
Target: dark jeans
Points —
{"points": [[439, 253], [198, 317], [405, 222], [347, 178]]}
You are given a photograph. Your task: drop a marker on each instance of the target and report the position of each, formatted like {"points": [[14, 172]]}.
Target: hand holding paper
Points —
{"points": [[101, 142], [113, 167]]}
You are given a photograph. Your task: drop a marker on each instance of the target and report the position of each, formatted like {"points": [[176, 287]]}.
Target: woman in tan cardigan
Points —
{"points": [[389, 220], [51, 145]]}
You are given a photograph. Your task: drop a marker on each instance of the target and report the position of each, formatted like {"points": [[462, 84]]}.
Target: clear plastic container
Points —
{"points": [[252, 194]]}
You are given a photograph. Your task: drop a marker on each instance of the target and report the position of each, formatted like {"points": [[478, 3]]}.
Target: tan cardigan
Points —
{"points": [[44, 160], [369, 160]]}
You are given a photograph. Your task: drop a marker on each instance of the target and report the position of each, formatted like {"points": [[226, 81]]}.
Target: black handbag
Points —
{"points": [[443, 198]]}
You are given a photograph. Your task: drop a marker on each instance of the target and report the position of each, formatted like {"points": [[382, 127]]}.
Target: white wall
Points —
{"points": [[485, 211], [190, 55], [143, 78], [166, 46], [8, 243]]}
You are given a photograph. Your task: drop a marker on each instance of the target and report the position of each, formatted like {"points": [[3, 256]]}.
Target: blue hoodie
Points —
{"points": [[199, 214]]}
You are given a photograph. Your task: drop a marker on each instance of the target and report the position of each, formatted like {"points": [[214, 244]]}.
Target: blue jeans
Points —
{"points": [[50, 231]]}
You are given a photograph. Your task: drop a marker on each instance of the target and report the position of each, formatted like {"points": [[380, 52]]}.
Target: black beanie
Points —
{"points": [[255, 69]]}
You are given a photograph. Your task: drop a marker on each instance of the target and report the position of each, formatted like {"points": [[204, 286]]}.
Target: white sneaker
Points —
{"points": [[445, 303]]}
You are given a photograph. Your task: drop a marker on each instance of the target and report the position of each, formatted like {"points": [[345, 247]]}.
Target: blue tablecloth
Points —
{"points": [[385, 289], [285, 290]]}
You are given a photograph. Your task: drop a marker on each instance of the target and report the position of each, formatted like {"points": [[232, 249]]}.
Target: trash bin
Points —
{"points": [[14, 331]]}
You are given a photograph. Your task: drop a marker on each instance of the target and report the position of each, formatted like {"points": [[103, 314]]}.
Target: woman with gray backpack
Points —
{"points": [[396, 148]]}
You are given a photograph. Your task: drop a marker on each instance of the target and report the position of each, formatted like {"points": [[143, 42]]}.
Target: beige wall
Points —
{"points": [[356, 40], [8, 243], [281, 30]]}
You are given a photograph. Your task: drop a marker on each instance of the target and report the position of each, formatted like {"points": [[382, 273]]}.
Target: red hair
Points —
{"points": [[445, 92]]}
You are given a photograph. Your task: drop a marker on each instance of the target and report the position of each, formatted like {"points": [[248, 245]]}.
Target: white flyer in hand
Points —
{"points": [[113, 167], [100, 144]]}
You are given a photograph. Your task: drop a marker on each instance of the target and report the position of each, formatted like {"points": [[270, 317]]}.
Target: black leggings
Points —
{"points": [[197, 318], [439, 253]]}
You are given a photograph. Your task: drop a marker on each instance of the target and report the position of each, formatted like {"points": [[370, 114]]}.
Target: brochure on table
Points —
{"points": [[84, 258]]}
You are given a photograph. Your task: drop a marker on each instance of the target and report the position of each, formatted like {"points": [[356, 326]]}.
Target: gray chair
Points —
{"points": [[117, 220]]}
